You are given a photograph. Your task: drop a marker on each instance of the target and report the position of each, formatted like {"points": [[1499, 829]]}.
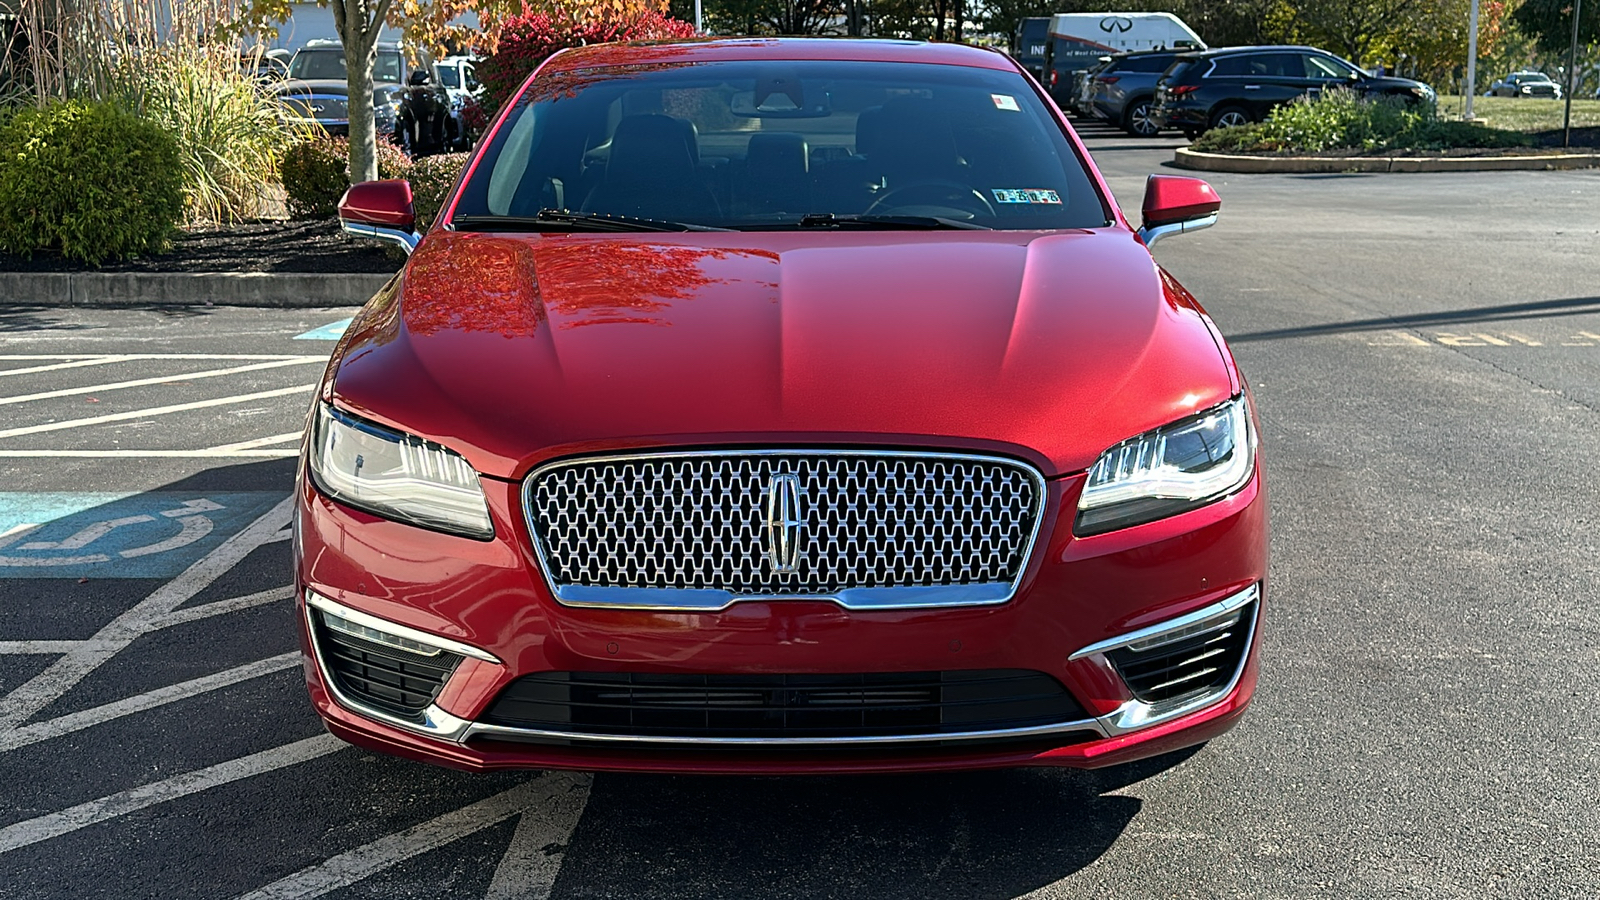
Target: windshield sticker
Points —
{"points": [[1026, 195], [1005, 101]]}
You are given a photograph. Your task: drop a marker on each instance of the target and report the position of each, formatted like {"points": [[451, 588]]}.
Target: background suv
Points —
{"points": [[1124, 90], [1232, 86], [1526, 84], [317, 88]]}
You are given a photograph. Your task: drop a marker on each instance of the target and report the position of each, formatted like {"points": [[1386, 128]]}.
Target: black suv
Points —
{"points": [[1235, 85]]}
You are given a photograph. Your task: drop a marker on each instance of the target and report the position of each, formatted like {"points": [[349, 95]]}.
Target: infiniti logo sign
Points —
{"points": [[784, 519], [1117, 24]]}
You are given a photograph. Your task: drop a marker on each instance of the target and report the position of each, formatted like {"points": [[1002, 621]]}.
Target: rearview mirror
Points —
{"points": [[1174, 204], [381, 210]]}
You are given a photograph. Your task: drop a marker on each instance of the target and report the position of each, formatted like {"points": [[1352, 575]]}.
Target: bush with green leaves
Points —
{"points": [[317, 172], [432, 177], [88, 179], [1343, 120]]}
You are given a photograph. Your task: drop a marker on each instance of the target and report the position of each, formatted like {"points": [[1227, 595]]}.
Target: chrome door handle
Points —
{"points": [[1252, 87]]}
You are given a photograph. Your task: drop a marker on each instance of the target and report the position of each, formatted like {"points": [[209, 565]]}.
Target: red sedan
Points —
{"points": [[781, 406]]}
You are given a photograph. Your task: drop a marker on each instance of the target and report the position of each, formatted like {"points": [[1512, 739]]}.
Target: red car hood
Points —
{"points": [[516, 349]]}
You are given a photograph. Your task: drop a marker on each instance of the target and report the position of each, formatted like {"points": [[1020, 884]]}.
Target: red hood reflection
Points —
{"points": [[516, 349]]}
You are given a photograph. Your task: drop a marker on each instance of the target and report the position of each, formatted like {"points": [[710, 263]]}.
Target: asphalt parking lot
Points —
{"points": [[1425, 351]]}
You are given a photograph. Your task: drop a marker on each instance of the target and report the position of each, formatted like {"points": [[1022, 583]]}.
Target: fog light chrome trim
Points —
{"points": [[1136, 714], [368, 627]]}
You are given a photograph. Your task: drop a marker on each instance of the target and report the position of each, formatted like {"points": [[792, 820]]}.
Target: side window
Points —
{"points": [[1232, 67], [1278, 65], [1327, 68]]}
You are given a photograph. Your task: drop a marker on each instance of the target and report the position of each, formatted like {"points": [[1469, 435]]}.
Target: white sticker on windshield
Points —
{"points": [[1026, 195], [1005, 101]]}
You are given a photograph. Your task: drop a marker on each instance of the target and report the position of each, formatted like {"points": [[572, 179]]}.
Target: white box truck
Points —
{"points": [[1078, 40]]}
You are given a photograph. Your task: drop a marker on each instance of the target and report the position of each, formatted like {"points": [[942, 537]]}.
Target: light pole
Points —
{"points": [[1472, 60], [1572, 80], [699, 29]]}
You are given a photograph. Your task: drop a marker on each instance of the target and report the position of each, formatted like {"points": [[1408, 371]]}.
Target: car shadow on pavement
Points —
{"points": [[963, 836], [1511, 312]]}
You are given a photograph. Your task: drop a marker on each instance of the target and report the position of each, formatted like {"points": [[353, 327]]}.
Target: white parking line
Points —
{"points": [[35, 732], [160, 379], [156, 411], [54, 682], [148, 454], [258, 442], [564, 791], [32, 831], [176, 617], [39, 648], [221, 607], [530, 865], [122, 357], [78, 364]]}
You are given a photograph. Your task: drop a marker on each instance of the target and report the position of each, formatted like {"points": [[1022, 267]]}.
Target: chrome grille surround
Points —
{"points": [[877, 529]]}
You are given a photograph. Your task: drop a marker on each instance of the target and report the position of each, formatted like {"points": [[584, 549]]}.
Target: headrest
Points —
{"points": [[650, 145], [779, 152], [869, 130]]}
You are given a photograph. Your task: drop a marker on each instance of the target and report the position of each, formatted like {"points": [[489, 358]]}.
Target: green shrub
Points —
{"points": [[230, 137], [88, 179], [1342, 120], [1238, 139], [432, 177], [316, 173]]}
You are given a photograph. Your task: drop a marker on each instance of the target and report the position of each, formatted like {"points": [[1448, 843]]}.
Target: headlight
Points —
{"points": [[1173, 469], [397, 476]]}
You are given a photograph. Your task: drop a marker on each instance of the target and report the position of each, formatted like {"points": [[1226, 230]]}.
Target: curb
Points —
{"points": [[272, 289], [1221, 162]]}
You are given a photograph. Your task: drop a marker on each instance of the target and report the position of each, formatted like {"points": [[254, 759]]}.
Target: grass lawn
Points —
{"points": [[1517, 114]]}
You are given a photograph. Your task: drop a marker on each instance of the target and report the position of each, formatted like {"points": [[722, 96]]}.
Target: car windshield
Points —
{"points": [[758, 145], [449, 76], [314, 64]]}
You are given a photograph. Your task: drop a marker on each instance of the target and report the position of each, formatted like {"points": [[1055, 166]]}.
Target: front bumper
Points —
{"points": [[1078, 597]]}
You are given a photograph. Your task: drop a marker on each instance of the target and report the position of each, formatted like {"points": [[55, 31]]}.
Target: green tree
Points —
{"points": [[1549, 23]]}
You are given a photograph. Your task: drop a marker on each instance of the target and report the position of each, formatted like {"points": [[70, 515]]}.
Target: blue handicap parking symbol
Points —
{"points": [[329, 332], [104, 535]]}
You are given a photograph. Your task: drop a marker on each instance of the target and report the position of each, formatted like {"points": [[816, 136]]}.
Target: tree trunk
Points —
{"points": [[359, 23]]}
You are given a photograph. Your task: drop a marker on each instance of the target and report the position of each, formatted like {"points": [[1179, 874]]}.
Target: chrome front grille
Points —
{"points": [[865, 529]]}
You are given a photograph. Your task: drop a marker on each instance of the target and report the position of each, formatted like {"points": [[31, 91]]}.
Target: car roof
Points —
{"points": [[332, 44], [1266, 48], [714, 49]]}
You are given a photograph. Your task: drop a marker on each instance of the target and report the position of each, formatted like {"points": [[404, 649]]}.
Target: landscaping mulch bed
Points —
{"points": [[314, 247]]}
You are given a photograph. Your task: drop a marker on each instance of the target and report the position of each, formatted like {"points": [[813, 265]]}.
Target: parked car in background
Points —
{"points": [[265, 68], [1080, 88], [580, 492], [1235, 85], [317, 89], [1526, 84], [456, 76], [1123, 91]]}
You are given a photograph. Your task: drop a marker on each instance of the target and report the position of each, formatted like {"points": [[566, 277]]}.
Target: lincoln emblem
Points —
{"points": [[783, 523]]}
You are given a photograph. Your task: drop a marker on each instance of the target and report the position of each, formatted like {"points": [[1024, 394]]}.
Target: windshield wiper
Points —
{"points": [[880, 222], [566, 220]]}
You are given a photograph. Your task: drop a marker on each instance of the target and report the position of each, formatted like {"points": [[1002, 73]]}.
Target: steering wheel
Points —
{"points": [[936, 192]]}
